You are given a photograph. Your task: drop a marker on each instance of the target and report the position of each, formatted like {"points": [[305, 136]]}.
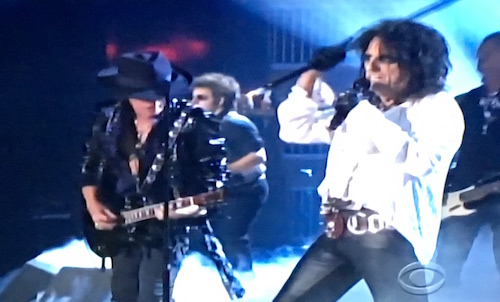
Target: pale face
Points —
{"points": [[203, 98], [488, 65], [386, 77]]}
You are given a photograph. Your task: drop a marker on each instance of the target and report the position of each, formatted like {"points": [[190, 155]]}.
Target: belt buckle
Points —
{"points": [[361, 223], [335, 225]]}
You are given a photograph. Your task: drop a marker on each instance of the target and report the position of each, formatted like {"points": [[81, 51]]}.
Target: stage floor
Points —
{"points": [[198, 279]]}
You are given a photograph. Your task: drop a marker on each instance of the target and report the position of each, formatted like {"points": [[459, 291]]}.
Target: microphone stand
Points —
{"points": [[169, 152], [167, 236], [350, 42], [167, 248]]}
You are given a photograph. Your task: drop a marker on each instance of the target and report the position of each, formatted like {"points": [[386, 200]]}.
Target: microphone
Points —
{"points": [[347, 100], [361, 85], [343, 105], [196, 112]]}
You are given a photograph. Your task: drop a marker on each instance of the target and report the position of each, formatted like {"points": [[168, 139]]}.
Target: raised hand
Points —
{"points": [[325, 58]]}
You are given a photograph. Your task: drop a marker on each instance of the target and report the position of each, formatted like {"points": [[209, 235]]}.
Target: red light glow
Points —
{"points": [[181, 49]]}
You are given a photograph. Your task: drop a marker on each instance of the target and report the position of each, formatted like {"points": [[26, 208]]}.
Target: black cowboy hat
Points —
{"points": [[144, 75]]}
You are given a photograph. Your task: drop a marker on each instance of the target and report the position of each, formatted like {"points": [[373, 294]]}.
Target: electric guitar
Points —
{"points": [[108, 243], [456, 201]]}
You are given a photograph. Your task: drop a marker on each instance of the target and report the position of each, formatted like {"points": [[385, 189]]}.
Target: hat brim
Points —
{"points": [[147, 95]]}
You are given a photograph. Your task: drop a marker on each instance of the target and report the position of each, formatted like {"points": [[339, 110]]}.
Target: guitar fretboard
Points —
{"points": [[480, 192], [148, 212]]}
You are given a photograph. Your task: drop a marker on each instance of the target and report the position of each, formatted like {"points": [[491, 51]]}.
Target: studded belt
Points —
{"points": [[339, 222]]}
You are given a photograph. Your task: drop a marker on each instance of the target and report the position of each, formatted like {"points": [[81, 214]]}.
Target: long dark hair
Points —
{"points": [[418, 49], [127, 134]]}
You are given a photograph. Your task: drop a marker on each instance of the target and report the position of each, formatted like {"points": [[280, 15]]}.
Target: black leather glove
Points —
{"points": [[325, 58], [345, 103]]}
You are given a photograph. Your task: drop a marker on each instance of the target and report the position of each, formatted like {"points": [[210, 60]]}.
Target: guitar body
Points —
{"points": [[102, 243], [108, 243], [454, 206], [139, 223], [456, 201]]}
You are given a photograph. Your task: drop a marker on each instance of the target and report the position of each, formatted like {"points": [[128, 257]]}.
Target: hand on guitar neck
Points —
{"points": [[189, 211]]}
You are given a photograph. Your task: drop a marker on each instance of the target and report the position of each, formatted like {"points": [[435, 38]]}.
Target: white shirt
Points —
{"points": [[392, 162]]}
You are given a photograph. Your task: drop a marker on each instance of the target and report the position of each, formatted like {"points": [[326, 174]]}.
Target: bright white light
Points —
{"points": [[198, 279], [308, 172]]}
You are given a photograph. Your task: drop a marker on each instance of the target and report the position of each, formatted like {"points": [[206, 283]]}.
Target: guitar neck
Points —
{"points": [[480, 192], [148, 212], [140, 214]]}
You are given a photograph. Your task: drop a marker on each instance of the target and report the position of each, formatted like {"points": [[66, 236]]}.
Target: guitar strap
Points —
{"points": [[112, 124], [159, 160]]}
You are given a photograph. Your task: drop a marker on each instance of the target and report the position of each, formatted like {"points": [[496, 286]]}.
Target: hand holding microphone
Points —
{"points": [[345, 102]]}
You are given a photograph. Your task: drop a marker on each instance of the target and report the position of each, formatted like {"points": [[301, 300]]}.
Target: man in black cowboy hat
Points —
{"points": [[124, 141], [127, 165]]}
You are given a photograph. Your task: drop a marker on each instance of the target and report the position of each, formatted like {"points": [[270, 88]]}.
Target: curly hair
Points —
{"points": [[419, 49], [221, 85]]}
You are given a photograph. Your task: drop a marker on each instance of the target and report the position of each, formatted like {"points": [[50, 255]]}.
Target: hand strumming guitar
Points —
{"points": [[103, 217]]}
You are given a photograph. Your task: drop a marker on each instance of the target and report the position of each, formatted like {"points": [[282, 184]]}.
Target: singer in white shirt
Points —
{"points": [[391, 160]]}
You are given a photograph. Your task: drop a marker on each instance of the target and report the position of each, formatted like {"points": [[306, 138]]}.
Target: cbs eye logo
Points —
{"points": [[418, 279]]}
